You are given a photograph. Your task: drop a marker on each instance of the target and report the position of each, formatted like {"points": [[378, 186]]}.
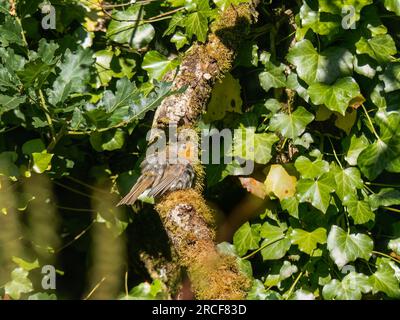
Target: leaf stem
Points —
{"points": [[262, 247], [382, 184], [294, 285], [370, 122], [335, 154], [386, 256], [47, 114]]}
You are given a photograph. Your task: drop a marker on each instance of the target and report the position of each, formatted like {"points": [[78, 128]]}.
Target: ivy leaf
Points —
{"points": [[291, 125], [393, 5], [352, 286], [308, 241], [125, 29], [317, 21], [180, 39], [272, 77], [344, 248], [109, 140], [253, 146], [42, 161], [359, 210], [280, 183], [395, 246], [31, 146], [247, 238], [391, 77], [19, 284], [336, 97], [196, 24], [324, 67], [275, 243], [381, 47], [385, 198], [383, 153], [384, 280], [357, 145], [336, 6], [311, 169], [347, 181], [157, 65], [291, 205], [72, 77], [42, 296]]}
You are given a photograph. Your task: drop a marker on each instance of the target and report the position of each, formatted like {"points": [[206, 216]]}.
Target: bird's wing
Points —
{"points": [[141, 185], [171, 174]]}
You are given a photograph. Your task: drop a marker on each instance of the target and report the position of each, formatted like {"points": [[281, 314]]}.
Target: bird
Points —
{"points": [[163, 171]]}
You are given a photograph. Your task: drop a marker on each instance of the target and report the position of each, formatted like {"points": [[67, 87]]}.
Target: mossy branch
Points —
{"points": [[185, 215]]}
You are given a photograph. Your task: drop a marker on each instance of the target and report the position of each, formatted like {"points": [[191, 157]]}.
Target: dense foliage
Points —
{"points": [[317, 88]]}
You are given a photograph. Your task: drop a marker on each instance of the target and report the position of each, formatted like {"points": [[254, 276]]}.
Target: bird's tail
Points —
{"points": [[140, 186]]}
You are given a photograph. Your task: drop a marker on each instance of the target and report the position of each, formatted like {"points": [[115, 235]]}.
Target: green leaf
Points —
{"points": [[72, 77], [347, 182], [344, 247], [272, 77], [381, 47], [325, 67], [10, 32], [391, 77], [385, 280], [311, 169], [157, 65], [253, 146], [108, 141], [247, 238], [285, 272], [308, 241], [336, 6], [26, 265], [395, 246], [317, 192], [385, 198], [337, 96], [124, 96], [352, 286], [196, 24], [357, 145], [385, 152], [319, 22], [291, 125], [360, 211], [291, 205], [42, 296], [393, 5], [31, 146], [275, 243], [19, 284], [179, 39], [35, 74], [8, 103], [126, 30], [42, 161], [147, 291]]}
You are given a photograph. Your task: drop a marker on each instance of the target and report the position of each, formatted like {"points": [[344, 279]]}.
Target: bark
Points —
{"points": [[186, 217]]}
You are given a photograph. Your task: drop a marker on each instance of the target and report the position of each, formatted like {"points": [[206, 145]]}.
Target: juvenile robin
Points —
{"points": [[167, 170]]}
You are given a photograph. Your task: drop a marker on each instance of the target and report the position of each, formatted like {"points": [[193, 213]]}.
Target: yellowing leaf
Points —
{"points": [[280, 183], [225, 97], [347, 121]]}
